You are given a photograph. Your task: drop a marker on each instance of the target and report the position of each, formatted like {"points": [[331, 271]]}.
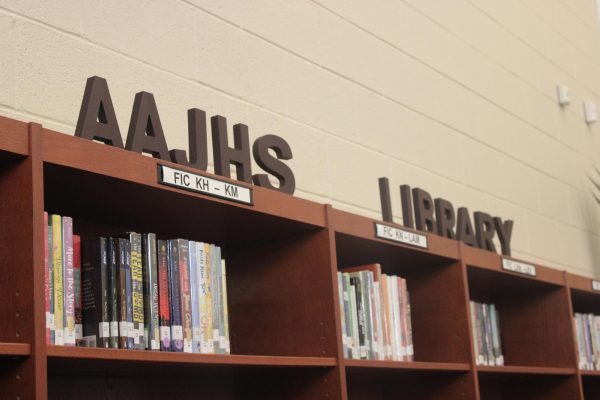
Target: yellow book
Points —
{"points": [[206, 314], [57, 267]]}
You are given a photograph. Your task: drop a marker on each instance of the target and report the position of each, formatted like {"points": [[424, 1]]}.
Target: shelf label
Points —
{"points": [[596, 285], [518, 267], [400, 235], [203, 184]]}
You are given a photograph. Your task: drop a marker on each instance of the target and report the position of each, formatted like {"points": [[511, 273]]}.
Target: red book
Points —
{"points": [[163, 297], [77, 276]]}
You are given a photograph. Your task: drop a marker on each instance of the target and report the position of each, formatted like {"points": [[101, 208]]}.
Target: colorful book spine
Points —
{"points": [[68, 281], [137, 291], [113, 291], [164, 296], [193, 256], [51, 293], [77, 277], [186, 300], [176, 309], [57, 266], [47, 282], [150, 277], [95, 290], [207, 312]]}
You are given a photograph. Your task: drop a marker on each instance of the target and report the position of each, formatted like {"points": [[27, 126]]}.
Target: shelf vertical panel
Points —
{"points": [[22, 303]]}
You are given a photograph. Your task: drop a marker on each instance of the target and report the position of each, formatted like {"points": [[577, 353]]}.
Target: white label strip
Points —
{"points": [[203, 184], [400, 235], [518, 267], [596, 286]]}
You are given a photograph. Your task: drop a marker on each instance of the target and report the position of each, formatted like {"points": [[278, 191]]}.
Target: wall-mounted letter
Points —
{"points": [[386, 202]]}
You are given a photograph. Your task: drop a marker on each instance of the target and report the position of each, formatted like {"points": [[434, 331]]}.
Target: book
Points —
{"points": [[77, 278], [123, 271], [150, 278], [47, 292], [217, 300], [113, 291], [68, 281], [175, 300], [206, 305], [95, 292], [57, 267], [137, 291], [186, 302], [193, 262], [164, 296], [225, 322]]}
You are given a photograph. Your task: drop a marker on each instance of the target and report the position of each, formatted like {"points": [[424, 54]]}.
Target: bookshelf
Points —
{"points": [[283, 255]]}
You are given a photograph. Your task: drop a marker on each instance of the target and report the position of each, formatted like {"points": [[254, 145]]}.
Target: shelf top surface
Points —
{"points": [[14, 137], [364, 228], [517, 369], [119, 355], [408, 365], [94, 158], [15, 349]]}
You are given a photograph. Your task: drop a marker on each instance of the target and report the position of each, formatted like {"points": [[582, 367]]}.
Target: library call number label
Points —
{"points": [[203, 184], [400, 235]]}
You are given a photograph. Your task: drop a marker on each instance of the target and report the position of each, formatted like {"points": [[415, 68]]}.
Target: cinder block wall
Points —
{"points": [[456, 97]]}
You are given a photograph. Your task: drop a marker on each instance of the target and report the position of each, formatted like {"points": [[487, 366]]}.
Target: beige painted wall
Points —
{"points": [[454, 96]]}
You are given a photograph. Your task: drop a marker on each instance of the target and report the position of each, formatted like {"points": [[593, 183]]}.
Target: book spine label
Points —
{"points": [[186, 299], [137, 291], [77, 277], [164, 296], [57, 266], [176, 312], [113, 291]]}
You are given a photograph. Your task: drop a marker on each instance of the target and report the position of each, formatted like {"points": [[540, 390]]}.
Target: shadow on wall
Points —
{"points": [[590, 207]]}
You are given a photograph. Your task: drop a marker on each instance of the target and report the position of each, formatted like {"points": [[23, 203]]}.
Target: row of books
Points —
{"points": [[132, 291], [587, 327], [375, 314], [485, 325]]}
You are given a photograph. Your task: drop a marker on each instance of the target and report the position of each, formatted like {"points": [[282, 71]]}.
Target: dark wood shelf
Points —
{"points": [[517, 369], [83, 353], [8, 350], [408, 366]]}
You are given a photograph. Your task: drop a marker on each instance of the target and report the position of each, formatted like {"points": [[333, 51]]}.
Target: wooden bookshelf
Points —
{"points": [[283, 255]]}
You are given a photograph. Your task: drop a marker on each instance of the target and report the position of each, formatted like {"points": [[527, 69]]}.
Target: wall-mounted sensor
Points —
{"points": [[564, 97], [590, 111]]}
